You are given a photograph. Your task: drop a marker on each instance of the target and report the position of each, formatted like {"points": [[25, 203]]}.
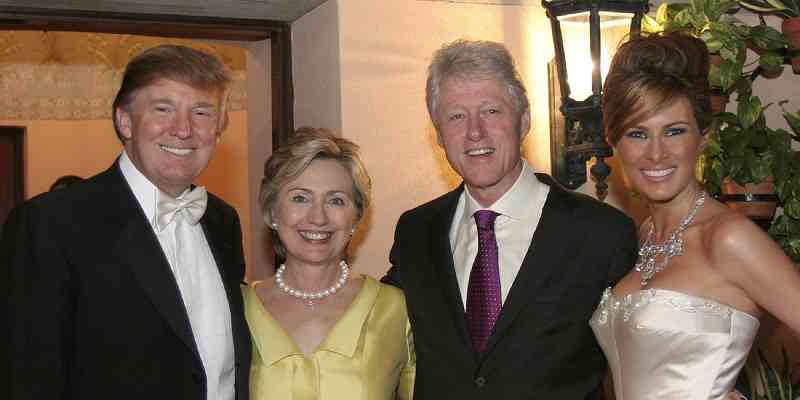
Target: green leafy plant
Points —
{"points": [[782, 8], [762, 381], [742, 146], [786, 228]]}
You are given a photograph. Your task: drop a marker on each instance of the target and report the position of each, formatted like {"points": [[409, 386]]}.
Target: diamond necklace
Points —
{"points": [[309, 297], [671, 247]]}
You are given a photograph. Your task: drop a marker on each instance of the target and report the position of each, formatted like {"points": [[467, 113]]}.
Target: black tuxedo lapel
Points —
{"points": [[541, 260], [139, 248], [442, 257]]}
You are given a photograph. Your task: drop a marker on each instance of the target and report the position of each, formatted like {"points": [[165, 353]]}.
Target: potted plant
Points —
{"points": [[789, 10], [761, 381], [786, 228], [743, 157]]}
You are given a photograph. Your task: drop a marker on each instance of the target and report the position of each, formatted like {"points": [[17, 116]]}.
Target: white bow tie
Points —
{"points": [[191, 205]]}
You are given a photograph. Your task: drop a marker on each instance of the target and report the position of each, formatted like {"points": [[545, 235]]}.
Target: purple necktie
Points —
{"points": [[483, 293]]}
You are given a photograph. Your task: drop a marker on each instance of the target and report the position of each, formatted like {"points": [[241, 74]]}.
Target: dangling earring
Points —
{"points": [[274, 226], [353, 231]]}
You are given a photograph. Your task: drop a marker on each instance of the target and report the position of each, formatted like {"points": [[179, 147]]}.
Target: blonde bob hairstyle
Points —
{"points": [[291, 159]]}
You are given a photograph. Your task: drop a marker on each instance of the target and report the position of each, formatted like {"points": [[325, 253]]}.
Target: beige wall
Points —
{"points": [[85, 148], [360, 68], [316, 68]]}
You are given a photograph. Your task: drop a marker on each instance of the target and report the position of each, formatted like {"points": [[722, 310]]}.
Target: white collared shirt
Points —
{"points": [[200, 285], [520, 209]]}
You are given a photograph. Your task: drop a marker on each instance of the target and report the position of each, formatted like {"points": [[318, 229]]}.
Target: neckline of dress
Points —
{"points": [[642, 291], [366, 293]]}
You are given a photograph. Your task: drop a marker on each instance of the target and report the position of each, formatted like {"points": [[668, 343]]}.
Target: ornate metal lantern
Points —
{"points": [[577, 136]]}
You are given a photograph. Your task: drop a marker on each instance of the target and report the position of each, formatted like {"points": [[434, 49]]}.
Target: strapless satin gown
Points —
{"points": [[666, 345]]}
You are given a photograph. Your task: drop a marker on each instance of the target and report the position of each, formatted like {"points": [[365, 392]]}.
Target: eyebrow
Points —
{"points": [[641, 125], [328, 193], [205, 105], [161, 100], [167, 100]]}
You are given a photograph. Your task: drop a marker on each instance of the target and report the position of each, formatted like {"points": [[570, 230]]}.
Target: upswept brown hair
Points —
{"points": [[290, 160], [470, 59], [183, 64], [651, 72]]}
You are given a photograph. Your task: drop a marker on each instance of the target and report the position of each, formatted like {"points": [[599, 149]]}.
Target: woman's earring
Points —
{"points": [[353, 231], [274, 226]]}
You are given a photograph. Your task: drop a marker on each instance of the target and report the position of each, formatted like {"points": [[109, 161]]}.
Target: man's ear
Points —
{"points": [[222, 123], [524, 124], [123, 121]]}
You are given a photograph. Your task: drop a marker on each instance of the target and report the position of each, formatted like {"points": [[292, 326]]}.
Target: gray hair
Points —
{"points": [[473, 59], [291, 159]]}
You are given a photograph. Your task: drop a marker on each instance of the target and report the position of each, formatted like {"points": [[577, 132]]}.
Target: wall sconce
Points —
{"points": [[576, 135]]}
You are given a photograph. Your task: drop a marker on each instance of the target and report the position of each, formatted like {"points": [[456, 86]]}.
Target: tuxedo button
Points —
{"points": [[480, 381]]}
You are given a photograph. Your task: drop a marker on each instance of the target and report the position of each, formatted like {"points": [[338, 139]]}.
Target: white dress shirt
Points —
{"points": [[520, 209], [200, 284]]}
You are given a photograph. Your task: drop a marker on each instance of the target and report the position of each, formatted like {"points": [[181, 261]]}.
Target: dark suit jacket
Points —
{"points": [[541, 346], [93, 310]]}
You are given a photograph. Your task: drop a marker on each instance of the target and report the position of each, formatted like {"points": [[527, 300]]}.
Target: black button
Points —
{"points": [[480, 381]]}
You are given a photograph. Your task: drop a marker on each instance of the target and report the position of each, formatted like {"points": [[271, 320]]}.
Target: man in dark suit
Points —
{"points": [[502, 274], [126, 285]]}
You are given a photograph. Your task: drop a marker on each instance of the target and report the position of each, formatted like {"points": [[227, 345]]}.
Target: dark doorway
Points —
{"points": [[12, 176]]}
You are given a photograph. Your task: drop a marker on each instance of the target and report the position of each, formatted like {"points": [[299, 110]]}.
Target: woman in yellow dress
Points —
{"points": [[320, 331]]}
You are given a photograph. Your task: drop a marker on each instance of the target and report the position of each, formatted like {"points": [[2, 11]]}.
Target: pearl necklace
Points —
{"points": [[671, 247], [309, 297]]}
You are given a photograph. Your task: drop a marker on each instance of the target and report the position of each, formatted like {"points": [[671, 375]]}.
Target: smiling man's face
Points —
{"points": [[170, 130], [480, 128]]}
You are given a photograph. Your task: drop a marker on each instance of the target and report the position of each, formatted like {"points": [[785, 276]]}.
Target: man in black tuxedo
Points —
{"points": [[500, 309], [126, 285]]}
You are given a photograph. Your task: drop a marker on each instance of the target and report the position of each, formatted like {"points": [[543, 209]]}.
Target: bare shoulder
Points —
{"points": [[737, 245], [730, 231]]}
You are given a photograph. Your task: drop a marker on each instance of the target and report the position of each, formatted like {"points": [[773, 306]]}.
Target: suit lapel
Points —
{"points": [[140, 250], [541, 260], [442, 257]]}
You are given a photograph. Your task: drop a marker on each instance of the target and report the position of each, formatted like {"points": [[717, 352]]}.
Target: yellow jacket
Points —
{"points": [[367, 355]]}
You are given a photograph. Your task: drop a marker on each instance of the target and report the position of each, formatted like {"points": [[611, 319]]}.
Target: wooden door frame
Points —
{"points": [[17, 135], [179, 26]]}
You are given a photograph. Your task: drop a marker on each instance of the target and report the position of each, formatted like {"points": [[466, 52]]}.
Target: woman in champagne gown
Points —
{"points": [[320, 332], [679, 326]]}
